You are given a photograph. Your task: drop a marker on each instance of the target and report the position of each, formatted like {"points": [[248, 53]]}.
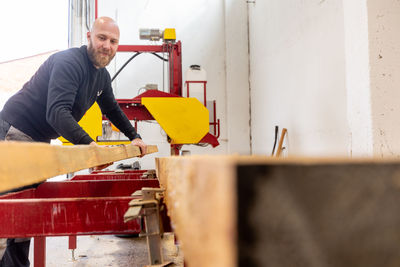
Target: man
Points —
{"points": [[52, 102]]}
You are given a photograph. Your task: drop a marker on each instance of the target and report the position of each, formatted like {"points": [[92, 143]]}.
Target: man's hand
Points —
{"points": [[143, 147]]}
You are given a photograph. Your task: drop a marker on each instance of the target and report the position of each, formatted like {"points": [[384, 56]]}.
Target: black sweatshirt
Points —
{"points": [[52, 102]]}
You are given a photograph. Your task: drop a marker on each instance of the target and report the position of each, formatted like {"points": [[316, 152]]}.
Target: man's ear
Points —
{"points": [[88, 35]]}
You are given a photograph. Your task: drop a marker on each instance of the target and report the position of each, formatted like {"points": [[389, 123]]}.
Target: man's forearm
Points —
{"points": [[64, 124]]}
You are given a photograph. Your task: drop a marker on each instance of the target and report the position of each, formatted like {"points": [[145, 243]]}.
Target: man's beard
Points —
{"points": [[97, 58]]}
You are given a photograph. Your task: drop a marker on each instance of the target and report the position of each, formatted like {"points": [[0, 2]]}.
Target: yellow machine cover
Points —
{"points": [[185, 120]]}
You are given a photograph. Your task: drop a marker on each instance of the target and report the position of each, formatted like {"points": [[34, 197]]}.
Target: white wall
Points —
{"points": [[213, 35], [384, 57], [328, 71], [358, 77], [297, 63]]}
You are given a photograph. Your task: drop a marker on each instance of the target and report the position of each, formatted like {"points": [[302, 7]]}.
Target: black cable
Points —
{"points": [[160, 57], [123, 66], [130, 59]]}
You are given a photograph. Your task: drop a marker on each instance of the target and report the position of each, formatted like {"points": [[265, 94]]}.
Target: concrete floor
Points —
{"points": [[106, 250]]}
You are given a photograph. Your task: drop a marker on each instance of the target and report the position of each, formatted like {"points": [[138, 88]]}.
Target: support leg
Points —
{"points": [[72, 245], [39, 254]]}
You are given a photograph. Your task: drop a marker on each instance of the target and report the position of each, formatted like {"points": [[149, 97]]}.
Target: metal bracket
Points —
{"points": [[148, 206], [150, 174]]}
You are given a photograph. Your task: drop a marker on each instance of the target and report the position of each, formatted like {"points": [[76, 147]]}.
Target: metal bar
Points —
{"points": [[123, 172], [96, 9], [92, 189], [28, 193], [72, 242], [219, 128], [107, 176], [215, 119], [176, 69], [141, 48], [72, 246], [63, 217], [171, 70], [39, 253], [205, 91]]}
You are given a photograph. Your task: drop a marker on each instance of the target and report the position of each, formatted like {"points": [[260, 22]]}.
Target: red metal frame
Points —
{"points": [[96, 4], [120, 172], [204, 90], [133, 108], [110, 175], [174, 51], [85, 205], [71, 207], [207, 139]]}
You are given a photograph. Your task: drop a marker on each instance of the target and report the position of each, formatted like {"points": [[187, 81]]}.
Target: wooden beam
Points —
{"points": [[23, 163], [200, 201], [258, 211]]}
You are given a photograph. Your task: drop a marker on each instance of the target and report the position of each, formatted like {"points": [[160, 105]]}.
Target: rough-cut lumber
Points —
{"points": [[200, 201], [23, 163], [255, 211]]}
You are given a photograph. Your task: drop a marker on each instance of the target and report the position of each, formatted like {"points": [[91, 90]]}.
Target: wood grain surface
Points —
{"points": [[200, 201], [24, 164]]}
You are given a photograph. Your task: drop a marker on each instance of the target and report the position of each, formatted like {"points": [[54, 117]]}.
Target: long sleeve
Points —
{"points": [[64, 82], [111, 109]]}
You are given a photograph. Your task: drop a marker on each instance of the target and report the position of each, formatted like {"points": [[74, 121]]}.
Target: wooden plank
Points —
{"points": [[23, 163], [200, 201], [258, 211]]}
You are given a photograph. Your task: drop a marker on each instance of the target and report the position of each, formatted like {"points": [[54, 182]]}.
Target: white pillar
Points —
{"points": [[237, 77], [358, 77], [81, 17]]}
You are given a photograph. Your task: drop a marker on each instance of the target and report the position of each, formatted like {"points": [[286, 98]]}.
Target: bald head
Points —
{"points": [[105, 23], [103, 41]]}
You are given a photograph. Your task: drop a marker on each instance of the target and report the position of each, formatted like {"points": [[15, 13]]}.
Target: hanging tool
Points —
{"points": [[276, 138], [280, 147]]}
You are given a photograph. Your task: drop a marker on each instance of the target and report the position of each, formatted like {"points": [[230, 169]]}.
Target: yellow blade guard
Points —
{"points": [[185, 120]]}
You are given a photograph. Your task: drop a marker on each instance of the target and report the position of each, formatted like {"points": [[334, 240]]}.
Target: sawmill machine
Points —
{"points": [[185, 119]]}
